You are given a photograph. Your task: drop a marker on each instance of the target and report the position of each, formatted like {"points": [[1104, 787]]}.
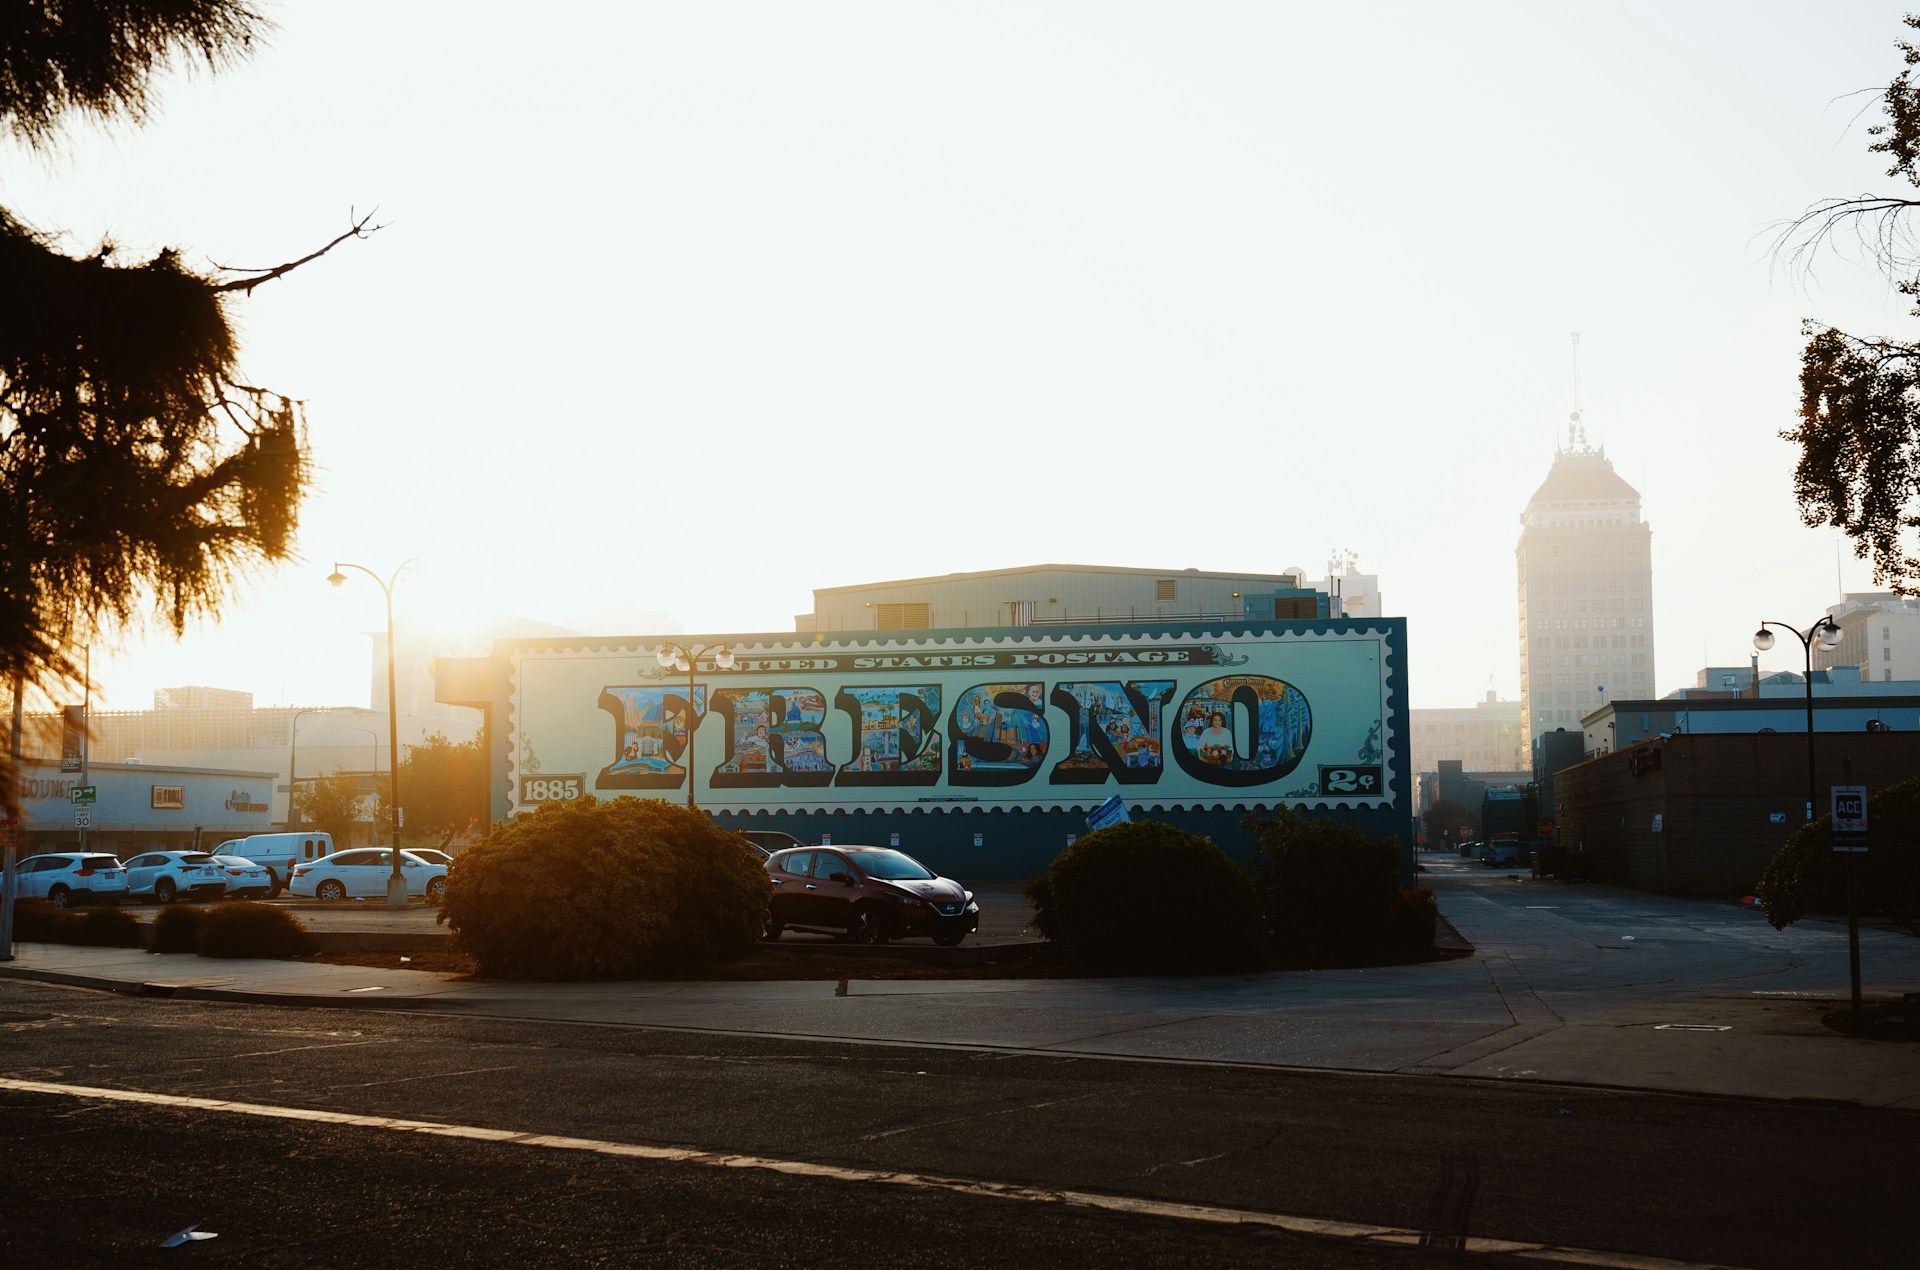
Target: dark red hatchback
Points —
{"points": [[868, 894]]}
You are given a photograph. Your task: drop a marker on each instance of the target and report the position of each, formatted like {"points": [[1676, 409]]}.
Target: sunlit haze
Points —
{"points": [[680, 310]]}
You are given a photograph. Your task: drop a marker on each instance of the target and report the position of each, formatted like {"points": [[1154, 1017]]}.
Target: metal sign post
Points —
{"points": [[1850, 837]]}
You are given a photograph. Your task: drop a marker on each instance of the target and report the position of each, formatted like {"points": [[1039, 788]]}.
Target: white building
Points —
{"points": [[1075, 595], [1879, 634], [1586, 591], [1488, 736]]}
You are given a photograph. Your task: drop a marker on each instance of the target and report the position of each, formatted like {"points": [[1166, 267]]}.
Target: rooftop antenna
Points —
{"points": [[1575, 429]]}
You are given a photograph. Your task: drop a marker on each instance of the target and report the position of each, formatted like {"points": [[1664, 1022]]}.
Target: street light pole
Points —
{"points": [[373, 771], [396, 883], [678, 657], [293, 762], [1829, 635]]}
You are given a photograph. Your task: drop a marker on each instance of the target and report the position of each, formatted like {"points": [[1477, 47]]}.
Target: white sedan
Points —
{"points": [[245, 879], [364, 872]]}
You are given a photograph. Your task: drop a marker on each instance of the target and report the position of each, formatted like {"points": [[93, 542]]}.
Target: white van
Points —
{"points": [[279, 852]]}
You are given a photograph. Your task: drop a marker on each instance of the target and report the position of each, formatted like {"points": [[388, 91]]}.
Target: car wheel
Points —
{"points": [[769, 929], [867, 928], [60, 897], [164, 890], [331, 889], [437, 889], [273, 892], [950, 940]]}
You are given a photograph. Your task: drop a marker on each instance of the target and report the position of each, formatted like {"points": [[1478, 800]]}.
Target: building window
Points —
{"points": [[1163, 590], [904, 617]]}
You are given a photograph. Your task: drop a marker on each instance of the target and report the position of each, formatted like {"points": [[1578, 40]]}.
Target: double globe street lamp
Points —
{"points": [[1829, 636], [679, 657]]}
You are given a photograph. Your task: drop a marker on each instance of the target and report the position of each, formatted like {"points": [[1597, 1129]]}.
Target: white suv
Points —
{"points": [[70, 877], [167, 875]]}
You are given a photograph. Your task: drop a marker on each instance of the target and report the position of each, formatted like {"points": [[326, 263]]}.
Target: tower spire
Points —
{"points": [[1576, 431]]}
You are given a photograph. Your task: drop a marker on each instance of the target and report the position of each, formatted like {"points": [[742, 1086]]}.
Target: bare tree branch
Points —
{"points": [[360, 228]]}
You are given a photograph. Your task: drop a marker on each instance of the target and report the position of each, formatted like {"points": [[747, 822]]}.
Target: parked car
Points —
{"points": [[169, 875], [364, 872], [768, 841], [245, 879], [70, 877], [868, 894], [279, 852]]}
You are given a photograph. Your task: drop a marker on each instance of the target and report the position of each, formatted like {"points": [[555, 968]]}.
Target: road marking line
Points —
{"points": [[1175, 1210]]}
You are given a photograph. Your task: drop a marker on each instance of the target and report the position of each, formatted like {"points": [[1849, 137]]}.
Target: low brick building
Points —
{"points": [[1701, 814]]}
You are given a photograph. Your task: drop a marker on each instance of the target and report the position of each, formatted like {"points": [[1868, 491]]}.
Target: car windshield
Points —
{"points": [[99, 862], [890, 866], [195, 857]]}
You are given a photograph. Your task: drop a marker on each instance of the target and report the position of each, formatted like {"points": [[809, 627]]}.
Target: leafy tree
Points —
{"points": [[332, 804], [140, 478], [1443, 821], [1859, 431], [445, 787]]}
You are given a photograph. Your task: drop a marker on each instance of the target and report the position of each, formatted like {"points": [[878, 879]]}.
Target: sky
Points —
{"points": [[680, 311]]}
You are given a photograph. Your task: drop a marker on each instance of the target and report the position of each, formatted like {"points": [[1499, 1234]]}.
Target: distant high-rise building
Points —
{"points": [[201, 697], [1586, 591]]}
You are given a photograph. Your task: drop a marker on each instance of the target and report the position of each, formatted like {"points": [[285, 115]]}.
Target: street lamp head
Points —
{"points": [[1829, 633], [336, 577], [667, 655], [1763, 639], [723, 657]]}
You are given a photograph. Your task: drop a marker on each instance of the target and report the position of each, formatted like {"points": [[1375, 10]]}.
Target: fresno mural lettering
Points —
{"points": [[999, 734], [1045, 720]]}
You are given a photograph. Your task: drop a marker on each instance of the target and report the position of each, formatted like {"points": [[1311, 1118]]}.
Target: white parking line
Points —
{"points": [[1398, 1235]]}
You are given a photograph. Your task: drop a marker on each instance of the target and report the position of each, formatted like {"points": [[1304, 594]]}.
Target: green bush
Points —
{"points": [[249, 929], [1411, 922], [175, 929], [1806, 875], [1329, 889], [631, 886], [110, 926], [37, 921], [1148, 898]]}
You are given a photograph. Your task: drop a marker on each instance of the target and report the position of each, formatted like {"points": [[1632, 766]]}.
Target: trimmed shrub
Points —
{"points": [[1329, 889], [248, 929], [37, 921], [1148, 898], [627, 887], [1806, 875], [1411, 922], [175, 929], [110, 927]]}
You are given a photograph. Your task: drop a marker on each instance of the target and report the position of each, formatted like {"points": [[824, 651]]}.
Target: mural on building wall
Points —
{"points": [[1008, 721]]}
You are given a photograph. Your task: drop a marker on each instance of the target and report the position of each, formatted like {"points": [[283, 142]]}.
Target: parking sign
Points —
{"points": [[1849, 808]]}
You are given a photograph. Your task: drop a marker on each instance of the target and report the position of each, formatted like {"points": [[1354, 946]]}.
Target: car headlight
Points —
{"points": [[911, 901]]}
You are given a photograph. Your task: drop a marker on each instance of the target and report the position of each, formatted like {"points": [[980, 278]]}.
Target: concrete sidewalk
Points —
{"points": [[1569, 983]]}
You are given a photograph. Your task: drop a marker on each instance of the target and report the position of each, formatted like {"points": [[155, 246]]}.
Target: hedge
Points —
{"points": [[1148, 898], [625, 887]]}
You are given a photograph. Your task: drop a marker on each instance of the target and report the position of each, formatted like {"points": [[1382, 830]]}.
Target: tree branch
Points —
{"points": [[359, 229]]}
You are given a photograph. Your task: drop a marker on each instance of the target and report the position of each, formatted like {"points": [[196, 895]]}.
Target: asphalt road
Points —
{"points": [[811, 1153]]}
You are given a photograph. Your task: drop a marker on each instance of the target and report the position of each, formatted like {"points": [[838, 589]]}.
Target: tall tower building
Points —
{"points": [[1586, 591]]}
